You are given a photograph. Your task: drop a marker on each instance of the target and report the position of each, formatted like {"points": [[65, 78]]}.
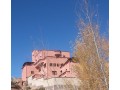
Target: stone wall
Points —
{"points": [[55, 83]]}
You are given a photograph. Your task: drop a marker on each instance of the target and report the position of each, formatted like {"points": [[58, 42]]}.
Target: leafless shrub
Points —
{"points": [[91, 50], [14, 84]]}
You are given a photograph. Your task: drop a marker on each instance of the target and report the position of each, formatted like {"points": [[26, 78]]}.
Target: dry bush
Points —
{"points": [[69, 85], [14, 84], [91, 51]]}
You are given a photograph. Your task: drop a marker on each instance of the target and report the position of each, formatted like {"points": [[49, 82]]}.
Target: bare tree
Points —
{"points": [[91, 50]]}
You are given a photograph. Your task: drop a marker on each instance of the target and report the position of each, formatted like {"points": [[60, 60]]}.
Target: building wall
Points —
{"points": [[41, 66], [43, 57], [69, 69], [72, 66], [36, 54], [56, 64], [66, 67], [53, 82], [26, 71]]}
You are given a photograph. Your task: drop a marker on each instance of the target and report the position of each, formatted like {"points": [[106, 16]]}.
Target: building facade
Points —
{"points": [[48, 64]]}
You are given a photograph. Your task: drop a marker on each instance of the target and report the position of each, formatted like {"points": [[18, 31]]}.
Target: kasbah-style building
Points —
{"points": [[48, 69]]}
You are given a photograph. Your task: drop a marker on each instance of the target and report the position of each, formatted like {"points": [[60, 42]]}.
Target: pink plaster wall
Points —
{"points": [[26, 71], [72, 66], [40, 58], [56, 61], [68, 67], [36, 54]]}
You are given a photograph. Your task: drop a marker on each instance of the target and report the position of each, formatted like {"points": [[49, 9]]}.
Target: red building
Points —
{"points": [[47, 64]]}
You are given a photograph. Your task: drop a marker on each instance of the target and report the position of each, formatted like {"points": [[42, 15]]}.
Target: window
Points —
{"points": [[44, 65], [50, 64], [61, 65], [58, 55], [61, 71], [32, 72], [39, 69], [54, 64], [57, 65], [54, 72]]}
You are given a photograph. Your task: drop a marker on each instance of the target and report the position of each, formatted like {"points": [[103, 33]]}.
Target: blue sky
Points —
{"points": [[45, 24]]}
